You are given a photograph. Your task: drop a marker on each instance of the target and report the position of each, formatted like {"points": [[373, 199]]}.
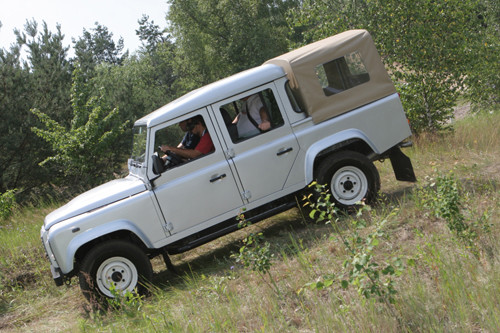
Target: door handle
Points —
{"points": [[284, 151], [212, 180]]}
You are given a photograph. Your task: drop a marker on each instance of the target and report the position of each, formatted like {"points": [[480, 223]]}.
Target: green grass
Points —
{"points": [[449, 287]]}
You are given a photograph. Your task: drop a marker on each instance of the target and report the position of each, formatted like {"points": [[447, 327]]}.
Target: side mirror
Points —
{"points": [[158, 165]]}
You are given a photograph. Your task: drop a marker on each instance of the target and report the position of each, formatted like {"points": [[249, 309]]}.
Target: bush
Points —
{"points": [[7, 203]]}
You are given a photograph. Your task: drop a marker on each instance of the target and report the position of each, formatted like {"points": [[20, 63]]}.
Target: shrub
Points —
{"points": [[7, 203]]}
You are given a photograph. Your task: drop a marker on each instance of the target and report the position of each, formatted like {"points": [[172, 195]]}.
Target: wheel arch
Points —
{"points": [[81, 244], [351, 139]]}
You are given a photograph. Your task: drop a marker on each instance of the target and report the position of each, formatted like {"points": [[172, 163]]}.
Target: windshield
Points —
{"points": [[139, 144]]}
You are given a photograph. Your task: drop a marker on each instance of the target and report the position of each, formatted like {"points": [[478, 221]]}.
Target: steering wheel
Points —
{"points": [[172, 160], [159, 166]]}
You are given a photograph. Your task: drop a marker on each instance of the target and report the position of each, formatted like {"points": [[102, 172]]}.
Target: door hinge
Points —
{"points": [[230, 153], [246, 194], [168, 227]]}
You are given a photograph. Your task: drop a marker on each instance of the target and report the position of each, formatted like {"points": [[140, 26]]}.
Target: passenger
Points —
{"points": [[253, 117], [190, 140], [204, 146]]}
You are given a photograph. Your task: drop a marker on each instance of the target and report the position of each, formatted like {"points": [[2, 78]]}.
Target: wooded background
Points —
{"points": [[67, 121]]}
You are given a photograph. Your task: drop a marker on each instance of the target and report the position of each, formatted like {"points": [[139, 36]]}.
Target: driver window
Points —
{"points": [[251, 115], [181, 142]]}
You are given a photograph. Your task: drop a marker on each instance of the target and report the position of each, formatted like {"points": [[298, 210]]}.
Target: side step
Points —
{"points": [[231, 228]]}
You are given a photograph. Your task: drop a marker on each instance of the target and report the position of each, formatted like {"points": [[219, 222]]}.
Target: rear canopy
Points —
{"points": [[336, 74]]}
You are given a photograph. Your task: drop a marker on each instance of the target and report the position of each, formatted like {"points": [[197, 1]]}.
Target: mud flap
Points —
{"points": [[401, 164]]}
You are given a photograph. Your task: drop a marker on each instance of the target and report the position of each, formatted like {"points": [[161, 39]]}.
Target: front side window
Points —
{"points": [[181, 142], [251, 115], [342, 73]]}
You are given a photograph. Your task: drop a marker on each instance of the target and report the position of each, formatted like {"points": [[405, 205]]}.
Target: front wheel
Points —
{"points": [[351, 177], [114, 266]]}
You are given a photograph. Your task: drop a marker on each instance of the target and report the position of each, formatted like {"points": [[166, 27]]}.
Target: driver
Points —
{"points": [[190, 140], [205, 146]]}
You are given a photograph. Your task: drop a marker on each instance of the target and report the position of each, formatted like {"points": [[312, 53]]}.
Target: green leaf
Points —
{"points": [[344, 284], [388, 270]]}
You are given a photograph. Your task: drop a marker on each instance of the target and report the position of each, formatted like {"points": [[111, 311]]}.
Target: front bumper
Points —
{"points": [[54, 268]]}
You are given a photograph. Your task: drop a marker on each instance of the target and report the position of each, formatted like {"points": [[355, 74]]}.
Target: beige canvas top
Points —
{"points": [[300, 67]]}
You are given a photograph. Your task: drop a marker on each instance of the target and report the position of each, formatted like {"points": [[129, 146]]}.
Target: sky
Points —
{"points": [[119, 16]]}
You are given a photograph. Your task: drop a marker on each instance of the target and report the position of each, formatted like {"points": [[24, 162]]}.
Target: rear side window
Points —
{"points": [[342, 73], [244, 116]]}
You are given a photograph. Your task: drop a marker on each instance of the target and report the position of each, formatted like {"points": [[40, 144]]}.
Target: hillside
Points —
{"points": [[436, 254]]}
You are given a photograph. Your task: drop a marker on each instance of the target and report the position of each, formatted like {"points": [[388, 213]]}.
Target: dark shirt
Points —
{"points": [[190, 140]]}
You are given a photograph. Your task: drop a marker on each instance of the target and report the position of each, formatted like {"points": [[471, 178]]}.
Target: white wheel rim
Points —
{"points": [[117, 271], [349, 185]]}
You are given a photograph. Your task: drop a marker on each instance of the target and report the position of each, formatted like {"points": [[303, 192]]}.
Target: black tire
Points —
{"points": [[351, 177], [116, 261]]}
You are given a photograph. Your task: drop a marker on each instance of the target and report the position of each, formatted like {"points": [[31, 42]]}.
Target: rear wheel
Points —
{"points": [[351, 177], [114, 266]]}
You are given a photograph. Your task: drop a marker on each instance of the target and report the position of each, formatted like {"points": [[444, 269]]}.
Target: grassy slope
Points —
{"points": [[448, 289]]}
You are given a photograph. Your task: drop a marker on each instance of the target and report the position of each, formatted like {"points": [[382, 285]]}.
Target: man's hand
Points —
{"points": [[165, 148], [265, 125]]}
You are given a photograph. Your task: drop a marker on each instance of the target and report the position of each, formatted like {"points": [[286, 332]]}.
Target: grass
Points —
{"points": [[445, 286]]}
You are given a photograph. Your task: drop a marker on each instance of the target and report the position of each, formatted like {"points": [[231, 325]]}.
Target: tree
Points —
{"points": [[145, 80], [96, 47], [15, 90], [50, 71], [139, 87], [427, 45], [85, 153], [217, 38], [483, 79], [429, 49], [42, 80], [151, 35]]}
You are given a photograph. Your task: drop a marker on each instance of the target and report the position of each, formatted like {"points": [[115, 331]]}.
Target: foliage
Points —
{"points": [[50, 70], [427, 101], [96, 47], [444, 199], [435, 51], [7, 203], [84, 152], [151, 35], [360, 269], [445, 289], [129, 302], [141, 83], [428, 46], [215, 38], [41, 78], [14, 140], [482, 79], [256, 253], [139, 87]]}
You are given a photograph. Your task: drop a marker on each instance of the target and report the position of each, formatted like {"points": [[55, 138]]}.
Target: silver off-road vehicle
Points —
{"points": [[329, 109]]}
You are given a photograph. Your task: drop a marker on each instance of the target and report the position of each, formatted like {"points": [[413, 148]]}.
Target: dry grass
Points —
{"points": [[448, 288]]}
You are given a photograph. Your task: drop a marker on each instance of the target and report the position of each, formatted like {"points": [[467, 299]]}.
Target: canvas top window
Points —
{"points": [[251, 115], [342, 73]]}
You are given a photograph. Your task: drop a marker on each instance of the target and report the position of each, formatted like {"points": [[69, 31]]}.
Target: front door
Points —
{"points": [[199, 192]]}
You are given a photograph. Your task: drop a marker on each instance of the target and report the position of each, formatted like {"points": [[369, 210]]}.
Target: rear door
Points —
{"points": [[262, 161]]}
